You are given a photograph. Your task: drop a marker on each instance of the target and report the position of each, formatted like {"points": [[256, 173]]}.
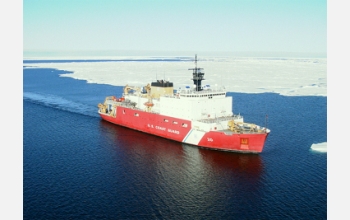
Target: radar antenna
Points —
{"points": [[198, 76]]}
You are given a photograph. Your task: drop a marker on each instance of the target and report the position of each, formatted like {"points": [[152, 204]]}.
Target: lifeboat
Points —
{"points": [[148, 104]]}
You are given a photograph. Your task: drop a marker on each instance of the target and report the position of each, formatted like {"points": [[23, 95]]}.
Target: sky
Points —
{"points": [[239, 27]]}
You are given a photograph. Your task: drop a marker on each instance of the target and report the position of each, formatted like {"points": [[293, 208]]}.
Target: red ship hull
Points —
{"points": [[181, 130], [197, 115]]}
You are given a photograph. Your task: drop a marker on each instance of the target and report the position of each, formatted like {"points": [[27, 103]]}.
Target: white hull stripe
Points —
{"points": [[193, 137], [188, 134]]}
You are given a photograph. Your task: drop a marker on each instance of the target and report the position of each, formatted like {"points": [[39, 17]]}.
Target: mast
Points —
{"points": [[198, 76]]}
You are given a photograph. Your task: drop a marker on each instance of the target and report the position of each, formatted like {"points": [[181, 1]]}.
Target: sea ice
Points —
{"points": [[289, 77], [321, 147]]}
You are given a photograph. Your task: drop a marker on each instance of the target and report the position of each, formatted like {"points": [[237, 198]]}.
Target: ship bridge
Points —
{"points": [[206, 93]]}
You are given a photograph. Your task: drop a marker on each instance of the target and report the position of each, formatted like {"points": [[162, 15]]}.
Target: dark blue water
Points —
{"points": [[76, 166]]}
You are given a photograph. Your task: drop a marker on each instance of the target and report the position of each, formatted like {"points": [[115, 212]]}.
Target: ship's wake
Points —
{"points": [[58, 102]]}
